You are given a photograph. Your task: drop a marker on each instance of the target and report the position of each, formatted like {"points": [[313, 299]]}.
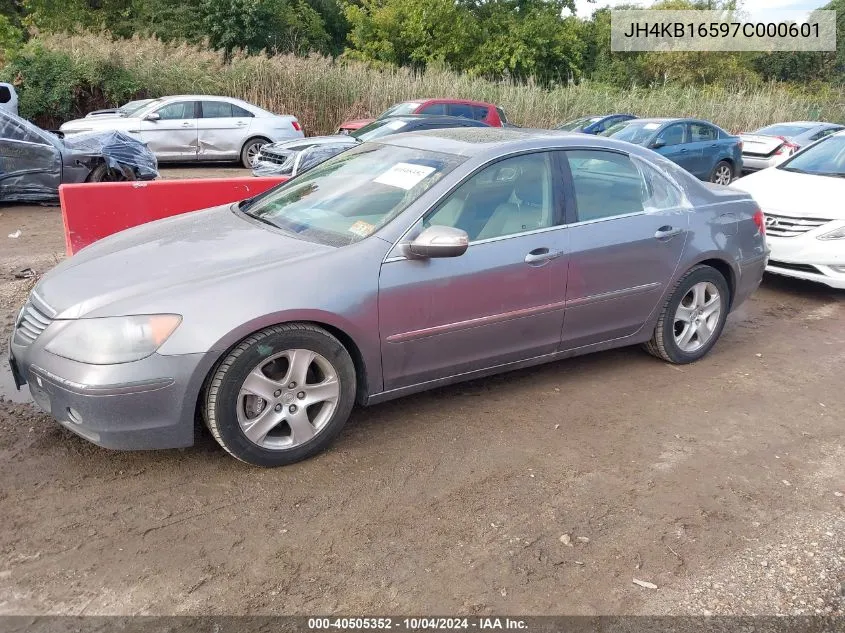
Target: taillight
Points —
{"points": [[760, 221], [296, 125], [787, 149]]}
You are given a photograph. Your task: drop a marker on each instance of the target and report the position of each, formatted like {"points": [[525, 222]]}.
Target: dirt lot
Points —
{"points": [[721, 483]]}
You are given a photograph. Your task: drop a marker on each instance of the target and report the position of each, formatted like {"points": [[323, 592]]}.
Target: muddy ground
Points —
{"points": [[721, 483]]}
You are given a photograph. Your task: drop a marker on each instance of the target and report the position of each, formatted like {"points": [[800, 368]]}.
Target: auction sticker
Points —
{"points": [[361, 228], [404, 175]]}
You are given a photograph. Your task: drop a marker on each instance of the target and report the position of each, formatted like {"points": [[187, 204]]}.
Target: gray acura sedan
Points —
{"points": [[398, 266]]}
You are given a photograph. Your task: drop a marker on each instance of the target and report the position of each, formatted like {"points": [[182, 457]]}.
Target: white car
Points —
{"points": [[773, 144], [802, 199], [198, 127], [8, 98]]}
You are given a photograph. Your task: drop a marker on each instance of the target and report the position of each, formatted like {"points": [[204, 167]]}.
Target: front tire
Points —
{"points": [[723, 173], [282, 395], [104, 173], [693, 317], [250, 151]]}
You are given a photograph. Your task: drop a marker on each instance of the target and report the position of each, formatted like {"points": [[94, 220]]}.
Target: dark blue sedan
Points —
{"points": [[594, 124], [702, 148]]}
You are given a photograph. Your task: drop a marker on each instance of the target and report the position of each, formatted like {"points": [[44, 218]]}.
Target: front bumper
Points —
{"points": [[147, 404], [806, 257]]}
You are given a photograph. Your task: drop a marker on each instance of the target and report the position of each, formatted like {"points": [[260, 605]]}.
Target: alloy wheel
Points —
{"points": [[697, 316]]}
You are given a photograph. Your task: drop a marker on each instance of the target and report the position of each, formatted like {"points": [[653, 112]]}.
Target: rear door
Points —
{"points": [[173, 136], [30, 165], [222, 128], [626, 241], [706, 149]]}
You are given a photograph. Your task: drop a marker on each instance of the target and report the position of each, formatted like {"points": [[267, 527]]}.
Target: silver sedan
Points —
{"points": [[197, 127], [398, 266]]}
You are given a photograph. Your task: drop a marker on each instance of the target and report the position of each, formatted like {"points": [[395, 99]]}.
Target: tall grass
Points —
{"points": [[322, 92]]}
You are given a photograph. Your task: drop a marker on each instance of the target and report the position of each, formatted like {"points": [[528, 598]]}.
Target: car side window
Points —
{"points": [[823, 133], [179, 110], [238, 111], [13, 130], [605, 184], [5, 94], [672, 135], [434, 108], [461, 109], [216, 110], [700, 132], [479, 113], [510, 196]]}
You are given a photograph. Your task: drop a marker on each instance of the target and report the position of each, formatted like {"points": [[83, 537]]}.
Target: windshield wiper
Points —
{"points": [[243, 205], [793, 169]]}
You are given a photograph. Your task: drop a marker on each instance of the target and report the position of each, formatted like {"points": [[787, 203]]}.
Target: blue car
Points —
{"points": [[594, 124], [705, 150]]}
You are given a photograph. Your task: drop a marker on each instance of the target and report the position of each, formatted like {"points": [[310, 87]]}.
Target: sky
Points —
{"points": [[755, 8]]}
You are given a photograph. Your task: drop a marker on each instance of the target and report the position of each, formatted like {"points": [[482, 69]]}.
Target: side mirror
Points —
{"points": [[658, 144], [152, 116], [440, 241]]}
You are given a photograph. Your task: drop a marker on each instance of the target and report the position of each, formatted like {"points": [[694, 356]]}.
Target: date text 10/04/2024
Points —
{"points": [[417, 624]]}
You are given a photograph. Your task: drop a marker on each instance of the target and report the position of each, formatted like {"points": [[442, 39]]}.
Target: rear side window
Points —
{"points": [[502, 116], [238, 111], [461, 109], [608, 184], [700, 132], [823, 133], [434, 108], [5, 94], [479, 113]]}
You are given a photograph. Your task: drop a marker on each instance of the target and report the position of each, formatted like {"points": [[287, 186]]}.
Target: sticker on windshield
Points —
{"points": [[404, 175], [651, 126], [361, 228]]}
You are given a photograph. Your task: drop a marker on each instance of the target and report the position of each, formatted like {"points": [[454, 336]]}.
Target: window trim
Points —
{"points": [[557, 201]]}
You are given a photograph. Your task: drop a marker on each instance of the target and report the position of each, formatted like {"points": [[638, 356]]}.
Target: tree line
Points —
{"points": [[538, 41]]}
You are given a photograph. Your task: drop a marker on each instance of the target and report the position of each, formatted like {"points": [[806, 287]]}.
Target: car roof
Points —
{"points": [[442, 100], [435, 118], [471, 141]]}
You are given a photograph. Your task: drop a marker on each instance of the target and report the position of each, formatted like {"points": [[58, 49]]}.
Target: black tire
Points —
{"points": [[103, 173], [662, 343], [250, 146], [721, 168], [221, 395]]}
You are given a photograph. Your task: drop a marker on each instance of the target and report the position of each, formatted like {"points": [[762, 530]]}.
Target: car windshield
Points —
{"points": [[782, 129], [133, 106], [579, 123], [378, 128], [637, 132], [407, 107], [825, 158], [352, 195]]}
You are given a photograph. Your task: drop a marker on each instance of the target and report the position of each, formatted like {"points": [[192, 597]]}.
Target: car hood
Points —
{"points": [[105, 122], [796, 195], [179, 252]]}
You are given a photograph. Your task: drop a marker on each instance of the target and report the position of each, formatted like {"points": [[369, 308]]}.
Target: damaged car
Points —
{"points": [[34, 162]]}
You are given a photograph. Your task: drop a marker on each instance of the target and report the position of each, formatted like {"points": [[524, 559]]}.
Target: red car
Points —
{"points": [[478, 110]]}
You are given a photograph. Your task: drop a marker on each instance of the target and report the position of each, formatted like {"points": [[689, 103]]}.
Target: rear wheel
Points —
{"points": [[250, 151], [722, 173], [282, 395], [693, 317]]}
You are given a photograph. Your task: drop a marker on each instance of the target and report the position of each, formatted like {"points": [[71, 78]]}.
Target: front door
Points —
{"points": [[627, 239], [672, 143], [173, 136], [501, 301]]}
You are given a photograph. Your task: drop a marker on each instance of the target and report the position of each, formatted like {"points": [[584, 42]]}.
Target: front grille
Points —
{"points": [[784, 226], [802, 268], [32, 322]]}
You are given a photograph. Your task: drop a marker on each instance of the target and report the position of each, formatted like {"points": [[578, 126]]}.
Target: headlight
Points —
{"points": [[835, 234], [113, 340]]}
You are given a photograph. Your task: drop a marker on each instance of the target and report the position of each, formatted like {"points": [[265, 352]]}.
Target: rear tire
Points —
{"points": [[723, 173], [308, 383], [692, 318], [251, 150]]}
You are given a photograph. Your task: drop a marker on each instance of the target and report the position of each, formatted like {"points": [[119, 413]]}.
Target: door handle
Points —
{"points": [[187, 124], [683, 151], [541, 255], [241, 123], [666, 233]]}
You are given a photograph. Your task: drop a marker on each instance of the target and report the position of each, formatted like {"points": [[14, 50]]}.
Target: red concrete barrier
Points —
{"points": [[93, 211]]}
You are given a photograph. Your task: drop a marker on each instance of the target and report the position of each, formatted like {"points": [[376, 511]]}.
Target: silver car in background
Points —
{"points": [[197, 127], [773, 144], [398, 266]]}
